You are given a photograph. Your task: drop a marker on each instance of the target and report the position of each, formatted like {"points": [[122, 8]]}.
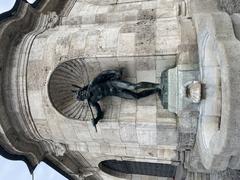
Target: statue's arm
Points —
{"points": [[100, 113]]}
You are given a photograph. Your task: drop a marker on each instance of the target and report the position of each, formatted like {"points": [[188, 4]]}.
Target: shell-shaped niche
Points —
{"points": [[60, 88]]}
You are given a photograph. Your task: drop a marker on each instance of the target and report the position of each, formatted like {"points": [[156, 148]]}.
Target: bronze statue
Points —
{"points": [[109, 83]]}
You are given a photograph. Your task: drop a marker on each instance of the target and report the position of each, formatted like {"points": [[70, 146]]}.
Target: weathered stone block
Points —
{"points": [[126, 44], [166, 135], [128, 106], [149, 4], [117, 149], [147, 14], [83, 134], [78, 39], [147, 76], [133, 151], [91, 45], [105, 148], [79, 146], [167, 27], [145, 38], [100, 18], [147, 137], [88, 19], [36, 105], [109, 38], [148, 151], [146, 114], [170, 154], [111, 135], [145, 63], [128, 132], [93, 147], [68, 133]]}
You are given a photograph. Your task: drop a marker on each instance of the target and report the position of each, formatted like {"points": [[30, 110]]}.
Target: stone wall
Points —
{"points": [[141, 37], [145, 38]]}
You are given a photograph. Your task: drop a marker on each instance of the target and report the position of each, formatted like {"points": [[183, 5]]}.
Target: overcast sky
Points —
{"points": [[6, 5], [17, 170]]}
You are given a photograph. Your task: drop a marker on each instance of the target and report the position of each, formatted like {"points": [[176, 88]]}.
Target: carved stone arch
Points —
{"points": [[125, 169]]}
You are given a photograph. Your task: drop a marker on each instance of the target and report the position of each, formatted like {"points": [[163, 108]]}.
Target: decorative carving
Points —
{"points": [[193, 91], [60, 88], [58, 149], [53, 20]]}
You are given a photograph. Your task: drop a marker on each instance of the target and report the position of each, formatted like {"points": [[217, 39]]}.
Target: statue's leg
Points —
{"points": [[141, 86], [138, 87], [147, 93], [126, 94], [123, 85]]}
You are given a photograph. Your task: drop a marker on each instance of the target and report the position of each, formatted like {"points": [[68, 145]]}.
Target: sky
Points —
{"points": [[6, 5], [12, 170]]}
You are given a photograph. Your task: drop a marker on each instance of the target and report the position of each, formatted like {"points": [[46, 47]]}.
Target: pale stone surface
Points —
{"points": [[147, 76], [36, 104], [215, 153], [140, 36], [126, 44], [128, 132]]}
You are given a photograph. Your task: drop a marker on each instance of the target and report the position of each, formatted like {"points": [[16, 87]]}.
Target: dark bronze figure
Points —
{"points": [[109, 83]]}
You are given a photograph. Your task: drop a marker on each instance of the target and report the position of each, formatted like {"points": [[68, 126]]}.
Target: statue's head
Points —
{"points": [[81, 93]]}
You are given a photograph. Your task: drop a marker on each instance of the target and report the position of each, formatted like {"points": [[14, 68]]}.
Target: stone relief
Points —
{"points": [[53, 19]]}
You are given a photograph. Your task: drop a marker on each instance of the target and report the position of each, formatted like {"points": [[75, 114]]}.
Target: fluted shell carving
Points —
{"points": [[194, 91], [60, 88]]}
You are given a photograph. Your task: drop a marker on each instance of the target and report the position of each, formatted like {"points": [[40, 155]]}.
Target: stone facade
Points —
{"points": [[48, 47]]}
